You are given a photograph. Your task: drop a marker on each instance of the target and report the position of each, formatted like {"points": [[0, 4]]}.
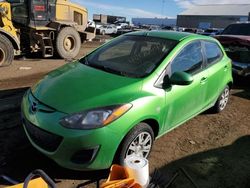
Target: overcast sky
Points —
{"points": [[147, 8]]}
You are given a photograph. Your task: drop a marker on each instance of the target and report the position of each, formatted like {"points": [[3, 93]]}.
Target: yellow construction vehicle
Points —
{"points": [[51, 27]]}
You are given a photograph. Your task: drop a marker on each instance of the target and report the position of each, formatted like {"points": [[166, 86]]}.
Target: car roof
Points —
{"points": [[173, 35]]}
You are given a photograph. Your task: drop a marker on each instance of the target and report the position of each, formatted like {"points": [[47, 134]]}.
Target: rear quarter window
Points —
{"points": [[213, 52]]}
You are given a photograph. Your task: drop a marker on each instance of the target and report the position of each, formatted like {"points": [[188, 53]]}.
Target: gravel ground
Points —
{"points": [[212, 149]]}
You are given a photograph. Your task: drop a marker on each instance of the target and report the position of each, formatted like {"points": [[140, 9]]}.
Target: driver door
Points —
{"points": [[183, 102]]}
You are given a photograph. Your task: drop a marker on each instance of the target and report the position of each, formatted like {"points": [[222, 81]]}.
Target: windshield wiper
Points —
{"points": [[100, 67], [107, 69]]}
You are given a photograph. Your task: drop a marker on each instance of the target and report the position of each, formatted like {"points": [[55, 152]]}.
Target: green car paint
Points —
{"points": [[77, 87]]}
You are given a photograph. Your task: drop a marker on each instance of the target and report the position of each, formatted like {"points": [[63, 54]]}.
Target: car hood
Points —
{"points": [[75, 87], [234, 39]]}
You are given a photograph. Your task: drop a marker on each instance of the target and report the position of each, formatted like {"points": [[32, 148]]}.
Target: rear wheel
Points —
{"points": [[222, 101], [6, 51], [138, 142], [68, 43]]}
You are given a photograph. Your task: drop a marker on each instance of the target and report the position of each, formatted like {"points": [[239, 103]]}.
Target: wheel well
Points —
{"points": [[13, 42], [59, 26], [230, 85], [151, 122], [154, 125]]}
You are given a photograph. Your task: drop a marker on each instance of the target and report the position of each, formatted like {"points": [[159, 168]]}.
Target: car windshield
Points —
{"points": [[237, 29], [131, 56]]}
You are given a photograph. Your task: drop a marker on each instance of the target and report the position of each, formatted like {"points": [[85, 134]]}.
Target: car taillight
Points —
{"points": [[39, 8]]}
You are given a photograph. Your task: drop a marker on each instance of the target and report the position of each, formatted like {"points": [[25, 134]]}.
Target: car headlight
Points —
{"points": [[94, 118]]}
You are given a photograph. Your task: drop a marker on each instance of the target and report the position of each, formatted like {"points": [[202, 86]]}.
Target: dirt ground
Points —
{"points": [[25, 71], [211, 150]]}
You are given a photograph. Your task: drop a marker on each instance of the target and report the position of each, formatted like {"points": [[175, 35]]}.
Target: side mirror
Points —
{"points": [[181, 78]]}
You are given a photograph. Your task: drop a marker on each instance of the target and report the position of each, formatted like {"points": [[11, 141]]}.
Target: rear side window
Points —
{"points": [[213, 52], [189, 60]]}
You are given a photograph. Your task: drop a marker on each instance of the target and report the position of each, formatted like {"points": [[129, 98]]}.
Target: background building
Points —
{"points": [[213, 16], [105, 19], [154, 21]]}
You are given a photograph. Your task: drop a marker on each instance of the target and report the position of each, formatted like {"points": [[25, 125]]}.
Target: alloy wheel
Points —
{"points": [[140, 146], [224, 99]]}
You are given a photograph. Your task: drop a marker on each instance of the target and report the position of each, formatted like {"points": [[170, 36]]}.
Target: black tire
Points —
{"points": [[139, 129], [222, 100], [6, 51], [68, 43]]}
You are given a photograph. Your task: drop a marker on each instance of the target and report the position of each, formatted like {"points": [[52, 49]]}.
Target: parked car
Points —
{"points": [[108, 29], [126, 29], [121, 25], [98, 25], [114, 102], [236, 41], [212, 32], [200, 31], [167, 28], [189, 30], [154, 27], [91, 23]]}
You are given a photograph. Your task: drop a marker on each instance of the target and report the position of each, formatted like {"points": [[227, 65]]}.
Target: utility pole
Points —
{"points": [[162, 11]]}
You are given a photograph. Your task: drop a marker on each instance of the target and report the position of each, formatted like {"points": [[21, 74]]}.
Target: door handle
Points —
{"points": [[225, 68], [203, 80]]}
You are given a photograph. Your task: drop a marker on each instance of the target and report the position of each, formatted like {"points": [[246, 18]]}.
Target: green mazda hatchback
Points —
{"points": [[118, 99]]}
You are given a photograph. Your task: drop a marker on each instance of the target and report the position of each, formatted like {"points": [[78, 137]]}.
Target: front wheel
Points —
{"points": [[138, 142], [222, 101]]}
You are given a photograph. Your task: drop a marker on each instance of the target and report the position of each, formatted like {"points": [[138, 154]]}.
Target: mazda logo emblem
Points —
{"points": [[33, 107]]}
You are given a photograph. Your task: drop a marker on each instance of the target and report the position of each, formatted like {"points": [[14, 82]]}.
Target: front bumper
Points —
{"points": [[242, 69], [65, 146]]}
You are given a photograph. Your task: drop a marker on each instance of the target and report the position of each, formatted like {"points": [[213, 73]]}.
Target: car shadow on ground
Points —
{"points": [[24, 161], [227, 166], [243, 85], [17, 157]]}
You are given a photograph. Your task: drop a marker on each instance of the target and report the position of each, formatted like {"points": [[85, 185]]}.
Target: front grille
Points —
{"points": [[46, 140], [33, 101]]}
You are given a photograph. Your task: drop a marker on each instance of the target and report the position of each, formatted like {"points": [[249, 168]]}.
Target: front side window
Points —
{"points": [[189, 60], [78, 18], [132, 56], [19, 11], [213, 52]]}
